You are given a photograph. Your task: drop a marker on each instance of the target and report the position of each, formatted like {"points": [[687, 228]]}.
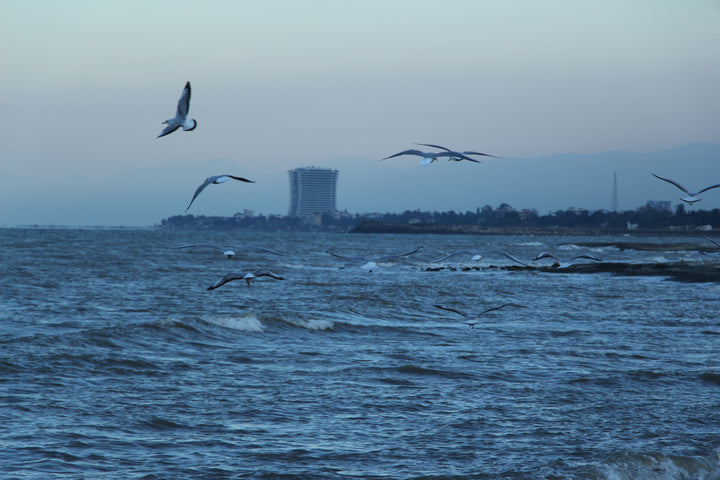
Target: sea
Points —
{"points": [[116, 361]]}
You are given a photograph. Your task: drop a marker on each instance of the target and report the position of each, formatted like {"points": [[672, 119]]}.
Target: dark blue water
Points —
{"points": [[116, 362]]}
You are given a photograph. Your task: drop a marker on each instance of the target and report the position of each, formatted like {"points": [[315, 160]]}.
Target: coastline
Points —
{"points": [[438, 229]]}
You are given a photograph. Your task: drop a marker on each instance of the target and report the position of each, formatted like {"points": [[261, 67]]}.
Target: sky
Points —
{"points": [[281, 84]]}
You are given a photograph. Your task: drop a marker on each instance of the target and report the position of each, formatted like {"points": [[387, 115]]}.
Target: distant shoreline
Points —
{"points": [[438, 229]]}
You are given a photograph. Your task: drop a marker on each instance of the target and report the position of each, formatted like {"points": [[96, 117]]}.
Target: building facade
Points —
{"points": [[313, 190]]}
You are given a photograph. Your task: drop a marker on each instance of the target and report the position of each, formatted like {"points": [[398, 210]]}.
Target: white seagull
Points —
{"points": [[691, 197], [228, 252], [430, 157], [216, 179], [458, 156], [473, 320], [479, 255], [249, 277], [560, 263], [371, 264], [180, 119]]}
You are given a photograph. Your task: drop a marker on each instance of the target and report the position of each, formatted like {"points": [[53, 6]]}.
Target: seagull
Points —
{"points": [[370, 264], [249, 277], [180, 119], [542, 255], [457, 156], [471, 321], [478, 255], [215, 179], [430, 157], [691, 197], [228, 252]]}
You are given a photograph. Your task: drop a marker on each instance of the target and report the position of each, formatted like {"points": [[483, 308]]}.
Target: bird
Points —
{"points": [[478, 255], [180, 119], [473, 320], [216, 179], [559, 263], [430, 157], [249, 277], [371, 264], [228, 252], [691, 197], [457, 156]]}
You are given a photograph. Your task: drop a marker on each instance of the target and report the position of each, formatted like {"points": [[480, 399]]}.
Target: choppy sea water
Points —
{"points": [[116, 362]]}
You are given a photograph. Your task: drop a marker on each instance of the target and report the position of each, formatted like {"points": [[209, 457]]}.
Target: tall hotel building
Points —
{"points": [[312, 190]]}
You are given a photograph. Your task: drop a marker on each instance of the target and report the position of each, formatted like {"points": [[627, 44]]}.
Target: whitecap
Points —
{"points": [[313, 323], [247, 323]]}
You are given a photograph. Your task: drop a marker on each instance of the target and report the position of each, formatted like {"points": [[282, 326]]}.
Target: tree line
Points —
{"points": [[645, 217]]}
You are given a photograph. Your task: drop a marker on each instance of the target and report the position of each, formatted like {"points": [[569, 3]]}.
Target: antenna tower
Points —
{"points": [[614, 201]]}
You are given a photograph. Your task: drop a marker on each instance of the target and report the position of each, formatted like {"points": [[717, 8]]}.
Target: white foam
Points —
{"points": [[314, 323], [247, 323]]}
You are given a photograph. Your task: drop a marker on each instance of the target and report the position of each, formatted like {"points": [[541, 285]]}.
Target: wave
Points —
{"points": [[658, 466], [246, 323], [312, 324]]}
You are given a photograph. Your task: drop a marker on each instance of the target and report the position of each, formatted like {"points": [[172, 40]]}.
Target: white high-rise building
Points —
{"points": [[312, 190]]}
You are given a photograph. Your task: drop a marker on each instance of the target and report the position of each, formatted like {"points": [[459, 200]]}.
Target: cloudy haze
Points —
{"points": [[342, 84]]}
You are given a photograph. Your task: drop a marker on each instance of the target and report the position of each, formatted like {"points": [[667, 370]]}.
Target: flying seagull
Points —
{"points": [[215, 179], [228, 252], [249, 277], [542, 255], [473, 320], [180, 119], [691, 197], [478, 255], [429, 157], [370, 264], [457, 156]]}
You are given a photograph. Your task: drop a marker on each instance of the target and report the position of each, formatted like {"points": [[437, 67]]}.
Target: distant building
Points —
{"points": [[313, 190]]}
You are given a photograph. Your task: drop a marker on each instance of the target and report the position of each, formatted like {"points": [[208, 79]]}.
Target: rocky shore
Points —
{"points": [[678, 271]]}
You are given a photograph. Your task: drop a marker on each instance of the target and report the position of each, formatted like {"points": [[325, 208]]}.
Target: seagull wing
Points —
{"points": [[184, 103], [478, 153], [407, 152], [461, 252], [260, 249], [708, 188], [225, 279], [674, 183], [434, 146], [712, 241], [491, 309], [585, 255], [239, 178], [456, 155], [263, 272], [542, 255], [452, 309], [504, 253], [350, 259], [202, 245], [390, 257], [172, 126], [202, 186]]}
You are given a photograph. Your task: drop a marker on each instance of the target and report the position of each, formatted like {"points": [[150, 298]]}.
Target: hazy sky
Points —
{"points": [[290, 83]]}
